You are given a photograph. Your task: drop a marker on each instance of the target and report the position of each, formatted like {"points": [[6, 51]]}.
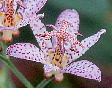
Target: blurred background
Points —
{"points": [[94, 15]]}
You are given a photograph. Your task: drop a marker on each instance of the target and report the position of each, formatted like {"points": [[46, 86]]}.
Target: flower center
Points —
{"points": [[9, 18], [57, 57]]}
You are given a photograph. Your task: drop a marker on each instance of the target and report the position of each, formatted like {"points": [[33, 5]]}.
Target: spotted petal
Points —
{"points": [[87, 43], [33, 6], [70, 16], [25, 20], [2, 28], [50, 67], [84, 69], [40, 5], [38, 28], [26, 51]]}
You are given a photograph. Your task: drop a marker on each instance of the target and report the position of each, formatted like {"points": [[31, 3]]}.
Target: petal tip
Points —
{"points": [[103, 31]]}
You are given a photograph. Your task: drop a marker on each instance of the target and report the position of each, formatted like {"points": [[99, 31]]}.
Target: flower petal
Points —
{"points": [[70, 16], [20, 3], [50, 67], [33, 6], [25, 20], [40, 5], [38, 28], [90, 41], [26, 51], [84, 69], [2, 28], [87, 43]]}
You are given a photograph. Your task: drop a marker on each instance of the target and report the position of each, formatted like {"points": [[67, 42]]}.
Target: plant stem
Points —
{"points": [[44, 83], [16, 72]]}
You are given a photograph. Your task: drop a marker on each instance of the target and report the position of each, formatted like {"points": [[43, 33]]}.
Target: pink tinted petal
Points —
{"points": [[54, 42], [40, 5], [90, 41], [1, 7], [7, 28], [24, 21], [21, 4], [24, 12], [84, 69], [26, 51], [87, 43], [33, 6], [70, 16], [40, 16], [38, 28], [51, 26], [67, 45], [50, 67]]}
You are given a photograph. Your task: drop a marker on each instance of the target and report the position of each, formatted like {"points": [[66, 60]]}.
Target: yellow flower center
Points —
{"points": [[57, 57]]}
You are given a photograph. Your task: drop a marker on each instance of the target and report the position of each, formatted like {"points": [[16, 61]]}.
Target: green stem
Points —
{"points": [[16, 72], [44, 83]]}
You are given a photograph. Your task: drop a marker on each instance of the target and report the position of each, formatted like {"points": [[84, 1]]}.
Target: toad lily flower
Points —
{"points": [[59, 55], [12, 18], [9, 19]]}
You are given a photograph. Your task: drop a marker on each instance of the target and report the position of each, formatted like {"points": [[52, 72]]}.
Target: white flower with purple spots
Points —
{"points": [[11, 18], [59, 55]]}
